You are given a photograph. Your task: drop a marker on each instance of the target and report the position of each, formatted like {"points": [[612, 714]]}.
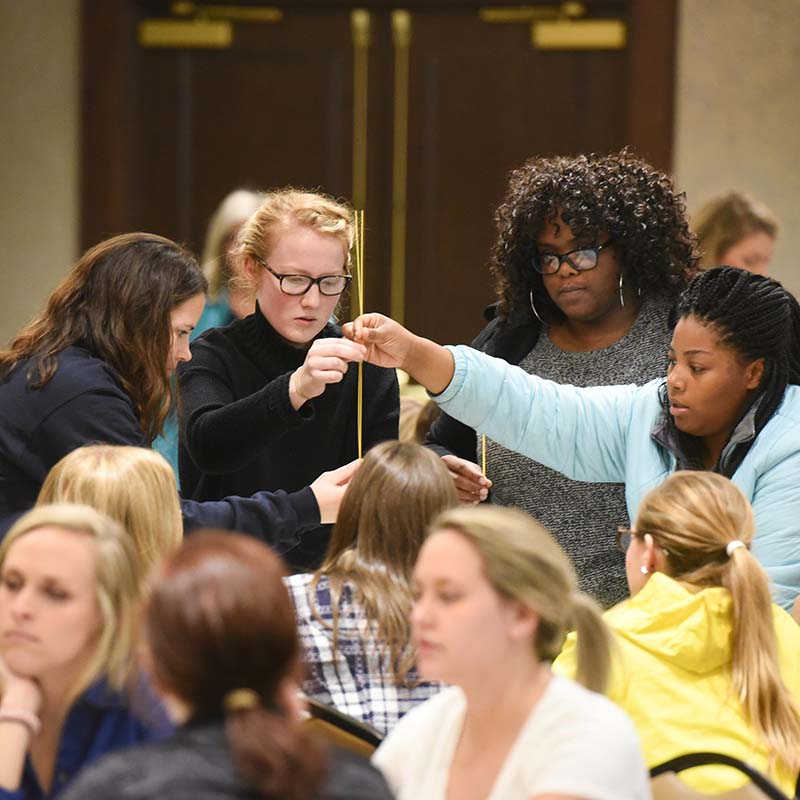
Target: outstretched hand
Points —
{"points": [[471, 484], [389, 344], [329, 490]]}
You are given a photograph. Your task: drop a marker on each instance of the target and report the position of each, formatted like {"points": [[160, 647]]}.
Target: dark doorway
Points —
{"points": [[415, 113]]}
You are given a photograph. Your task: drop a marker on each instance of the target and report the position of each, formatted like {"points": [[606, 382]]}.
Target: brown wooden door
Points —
{"points": [[168, 132]]}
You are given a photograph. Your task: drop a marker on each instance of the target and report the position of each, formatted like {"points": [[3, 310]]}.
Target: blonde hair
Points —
{"points": [[725, 220], [116, 588], [693, 516], [523, 562], [397, 491], [230, 215], [280, 210], [133, 485]]}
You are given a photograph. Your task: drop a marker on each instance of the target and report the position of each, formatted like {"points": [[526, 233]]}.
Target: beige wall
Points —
{"points": [[737, 125], [737, 120], [38, 152]]}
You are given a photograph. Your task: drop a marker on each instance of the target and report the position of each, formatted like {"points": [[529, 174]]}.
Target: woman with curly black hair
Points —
{"points": [[591, 253]]}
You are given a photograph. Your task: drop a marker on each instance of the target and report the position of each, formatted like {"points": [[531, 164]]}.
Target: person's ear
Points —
{"points": [[649, 555], [754, 372], [524, 620]]}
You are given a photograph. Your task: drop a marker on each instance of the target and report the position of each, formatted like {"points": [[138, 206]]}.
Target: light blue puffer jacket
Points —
{"points": [[602, 434]]}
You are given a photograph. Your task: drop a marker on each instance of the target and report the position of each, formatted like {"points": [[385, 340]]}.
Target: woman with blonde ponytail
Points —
{"points": [[220, 637], [495, 596], [706, 661]]}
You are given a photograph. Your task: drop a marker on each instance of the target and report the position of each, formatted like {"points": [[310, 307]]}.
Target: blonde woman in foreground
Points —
{"points": [[68, 592], [133, 486], [706, 662], [495, 596]]}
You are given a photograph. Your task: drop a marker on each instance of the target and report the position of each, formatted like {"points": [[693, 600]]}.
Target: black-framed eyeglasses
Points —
{"points": [[625, 536], [582, 259], [295, 285]]}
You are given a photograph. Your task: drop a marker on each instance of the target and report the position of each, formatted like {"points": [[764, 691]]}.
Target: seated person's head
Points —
{"points": [[67, 598], [133, 485], [221, 638], [399, 488], [223, 226], [684, 529], [737, 231], [492, 584]]}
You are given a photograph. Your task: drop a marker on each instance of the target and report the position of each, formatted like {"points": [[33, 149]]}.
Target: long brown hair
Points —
{"points": [[218, 620], [397, 491], [523, 562], [693, 516], [116, 301]]}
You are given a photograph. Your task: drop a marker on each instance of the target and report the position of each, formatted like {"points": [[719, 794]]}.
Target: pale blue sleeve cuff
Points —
{"points": [[459, 375]]}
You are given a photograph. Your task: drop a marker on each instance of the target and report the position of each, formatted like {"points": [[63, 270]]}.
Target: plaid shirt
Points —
{"points": [[356, 678]]}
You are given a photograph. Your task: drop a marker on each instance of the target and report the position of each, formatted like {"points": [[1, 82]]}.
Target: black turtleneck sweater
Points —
{"points": [[240, 434]]}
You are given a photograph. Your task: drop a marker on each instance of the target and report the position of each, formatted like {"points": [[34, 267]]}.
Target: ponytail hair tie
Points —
{"points": [[731, 546], [241, 700]]}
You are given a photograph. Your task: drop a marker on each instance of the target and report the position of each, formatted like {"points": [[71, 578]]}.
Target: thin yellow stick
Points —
{"points": [[359, 236], [483, 454]]}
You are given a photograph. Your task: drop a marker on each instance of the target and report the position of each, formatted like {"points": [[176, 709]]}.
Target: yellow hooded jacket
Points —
{"points": [[671, 674]]}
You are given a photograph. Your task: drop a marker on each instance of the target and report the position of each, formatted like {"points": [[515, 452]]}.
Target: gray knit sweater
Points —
{"points": [[583, 517]]}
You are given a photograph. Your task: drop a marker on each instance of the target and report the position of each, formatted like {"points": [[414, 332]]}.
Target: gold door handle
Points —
{"points": [[360, 23], [401, 38]]}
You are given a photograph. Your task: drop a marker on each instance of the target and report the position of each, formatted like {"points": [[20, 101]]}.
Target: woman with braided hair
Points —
{"points": [[592, 252], [730, 404], [700, 639]]}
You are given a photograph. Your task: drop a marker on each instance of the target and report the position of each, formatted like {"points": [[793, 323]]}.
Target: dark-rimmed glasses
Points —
{"points": [[295, 285], [582, 259], [624, 538]]}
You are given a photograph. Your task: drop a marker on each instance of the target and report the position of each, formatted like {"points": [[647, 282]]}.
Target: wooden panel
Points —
{"points": [[482, 105], [168, 133]]}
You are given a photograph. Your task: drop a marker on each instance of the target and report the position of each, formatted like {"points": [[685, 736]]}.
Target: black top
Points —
{"points": [[239, 432], [85, 403], [195, 764]]}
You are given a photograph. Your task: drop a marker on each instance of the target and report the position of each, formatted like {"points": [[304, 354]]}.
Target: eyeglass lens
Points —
{"points": [[581, 260], [624, 538], [299, 284]]}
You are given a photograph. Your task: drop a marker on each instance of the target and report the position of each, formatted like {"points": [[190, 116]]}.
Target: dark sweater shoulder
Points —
{"points": [[78, 372], [195, 764]]}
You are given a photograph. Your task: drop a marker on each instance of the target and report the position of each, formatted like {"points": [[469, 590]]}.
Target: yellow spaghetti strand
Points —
{"points": [[359, 243], [483, 454]]}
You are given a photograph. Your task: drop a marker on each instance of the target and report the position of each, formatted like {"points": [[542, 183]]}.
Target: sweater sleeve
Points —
{"points": [[222, 433], [581, 433], [276, 518]]}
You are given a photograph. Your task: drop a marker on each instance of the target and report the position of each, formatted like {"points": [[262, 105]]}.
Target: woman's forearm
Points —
{"points": [[430, 364], [15, 739]]}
